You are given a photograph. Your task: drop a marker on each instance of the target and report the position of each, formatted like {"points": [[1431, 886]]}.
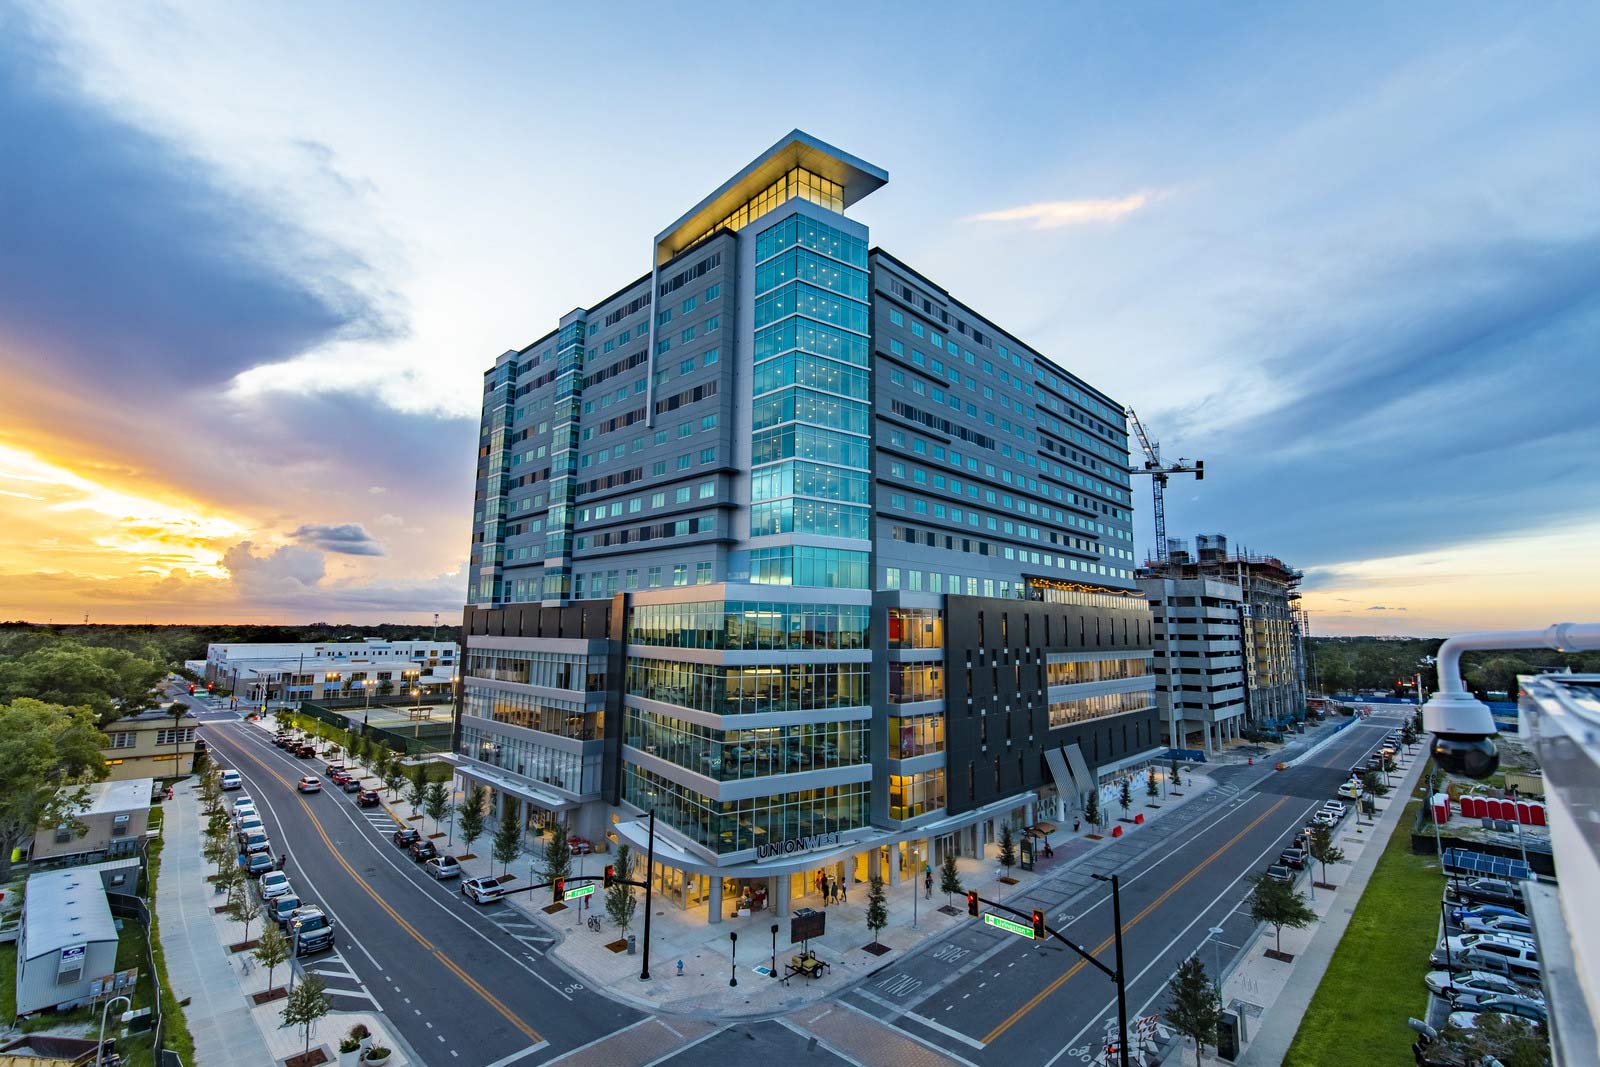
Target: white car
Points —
{"points": [[1325, 818], [250, 825], [482, 890], [1518, 925], [1335, 806], [232, 780], [1442, 983], [244, 801], [442, 867], [1351, 789], [274, 884]]}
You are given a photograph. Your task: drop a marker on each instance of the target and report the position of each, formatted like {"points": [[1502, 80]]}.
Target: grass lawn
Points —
{"points": [[1374, 981]]}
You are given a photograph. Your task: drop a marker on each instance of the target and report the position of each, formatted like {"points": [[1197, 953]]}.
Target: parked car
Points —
{"points": [[442, 867], [1442, 983], [284, 740], [1294, 858], [1325, 818], [1468, 1020], [1351, 789], [248, 825], [305, 750], [284, 907], [232, 780], [1279, 873], [351, 784], [482, 890], [1485, 891], [333, 767], [1498, 924], [310, 784], [257, 842], [406, 837], [257, 863], [368, 798], [246, 811], [423, 850], [1459, 912], [1337, 807], [243, 801], [580, 846], [311, 931], [274, 884], [1467, 1000], [1515, 957]]}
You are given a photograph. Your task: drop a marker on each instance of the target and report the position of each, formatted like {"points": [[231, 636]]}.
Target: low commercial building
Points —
{"points": [[67, 942], [151, 744], [1229, 641], [113, 824], [332, 670]]}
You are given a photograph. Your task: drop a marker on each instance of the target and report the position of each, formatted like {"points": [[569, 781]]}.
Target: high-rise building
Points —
{"points": [[1229, 652], [784, 543]]}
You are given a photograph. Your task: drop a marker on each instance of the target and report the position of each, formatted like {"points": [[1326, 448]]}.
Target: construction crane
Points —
{"points": [[1159, 473]]}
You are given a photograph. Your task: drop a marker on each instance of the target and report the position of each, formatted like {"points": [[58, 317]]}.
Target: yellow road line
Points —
{"points": [[471, 983], [1130, 924]]}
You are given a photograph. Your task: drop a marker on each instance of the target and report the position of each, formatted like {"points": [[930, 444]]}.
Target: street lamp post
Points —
{"points": [[733, 957], [1216, 954], [99, 1051], [1122, 982], [914, 873], [774, 950]]}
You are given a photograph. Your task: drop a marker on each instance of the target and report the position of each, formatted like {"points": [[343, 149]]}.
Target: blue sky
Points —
{"points": [[1348, 255]]}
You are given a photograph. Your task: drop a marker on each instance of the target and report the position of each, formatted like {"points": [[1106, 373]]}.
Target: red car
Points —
{"points": [[580, 846], [368, 798]]}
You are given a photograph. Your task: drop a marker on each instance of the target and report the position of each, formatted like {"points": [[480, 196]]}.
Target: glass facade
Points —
{"points": [[916, 736], [831, 568], [563, 497], [1067, 712], [810, 453], [737, 825], [564, 718], [911, 682], [1094, 670], [916, 628], [749, 690], [553, 670], [729, 755], [747, 625], [567, 770], [911, 795]]}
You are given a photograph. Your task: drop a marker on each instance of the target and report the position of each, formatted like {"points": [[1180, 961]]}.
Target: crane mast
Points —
{"points": [[1159, 473]]}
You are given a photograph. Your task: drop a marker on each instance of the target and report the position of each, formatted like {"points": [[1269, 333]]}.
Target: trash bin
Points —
{"points": [[1228, 1036], [633, 944]]}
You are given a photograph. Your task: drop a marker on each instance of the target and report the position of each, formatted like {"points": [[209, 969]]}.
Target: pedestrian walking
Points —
{"points": [[927, 885], [844, 892], [1075, 825], [827, 892]]}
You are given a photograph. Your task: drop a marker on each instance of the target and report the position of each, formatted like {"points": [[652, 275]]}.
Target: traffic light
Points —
{"points": [[1199, 470], [972, 903], [1038, 924], [210, 686], [560, 888], [191, 689], [611, 874]]}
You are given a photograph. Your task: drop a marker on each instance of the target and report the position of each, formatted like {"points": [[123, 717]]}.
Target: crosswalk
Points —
{"points": [[530, 935], [379, 819], [344, 989]]}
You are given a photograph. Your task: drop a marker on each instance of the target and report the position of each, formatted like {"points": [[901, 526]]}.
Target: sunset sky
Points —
{"points": [[255, 258]]}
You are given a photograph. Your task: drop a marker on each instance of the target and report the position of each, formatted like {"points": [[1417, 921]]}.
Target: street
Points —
{"points": [[994, 998], [461, 983]]}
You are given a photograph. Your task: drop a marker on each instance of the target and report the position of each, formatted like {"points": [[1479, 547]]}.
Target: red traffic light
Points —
{"points": [[611, 875], [210, 686], [191, 689], [560, 888], [972, 903], [1038, 923]]}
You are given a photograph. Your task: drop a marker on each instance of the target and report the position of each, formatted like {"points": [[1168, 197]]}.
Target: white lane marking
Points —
{"points": [[531, 1049], [965, 1039]]}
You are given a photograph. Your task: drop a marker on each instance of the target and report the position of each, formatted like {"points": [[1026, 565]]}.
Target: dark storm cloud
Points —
{"points": [[125, 262], [1453, 401], [350, 539]]}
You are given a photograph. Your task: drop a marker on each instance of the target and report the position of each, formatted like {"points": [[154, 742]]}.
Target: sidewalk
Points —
{"points": [[1274, 995], [229, 1030]]}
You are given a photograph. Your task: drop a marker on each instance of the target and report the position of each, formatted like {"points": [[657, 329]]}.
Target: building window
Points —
{"points": [[702, 573]]}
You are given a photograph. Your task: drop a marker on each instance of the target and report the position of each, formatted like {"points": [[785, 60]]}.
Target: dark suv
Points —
{"points": [[311, 930], [406, 838], [422, 851]]}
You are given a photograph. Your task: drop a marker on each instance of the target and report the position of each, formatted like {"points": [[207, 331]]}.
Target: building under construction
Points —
{"points": [[1229, 641]]}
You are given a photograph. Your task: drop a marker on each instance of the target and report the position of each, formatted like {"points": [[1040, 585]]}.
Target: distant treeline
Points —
{"points": [[171, 645], [1346, 664]]}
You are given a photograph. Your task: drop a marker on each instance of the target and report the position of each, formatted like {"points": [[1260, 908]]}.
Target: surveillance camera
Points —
{"points": [[1463, 734]]}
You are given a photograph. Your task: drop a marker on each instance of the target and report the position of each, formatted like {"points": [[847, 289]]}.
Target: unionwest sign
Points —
{"points": [[772, 850]]}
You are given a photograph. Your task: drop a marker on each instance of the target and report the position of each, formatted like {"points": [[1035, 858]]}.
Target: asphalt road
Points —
{"points": [[462, 983], [991, 997]]}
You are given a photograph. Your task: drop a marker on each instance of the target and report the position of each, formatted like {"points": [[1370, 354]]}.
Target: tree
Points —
{"points": [[1008, 847], [1091, 810], [1280, 904], [244, 908], [48, 753], [877, 907], [1176, 781], [436, 801], [307, 1004], [508, 838], [272, 951], [394, 773], [230, 880], [472, 815], [1512, 1041], [177, 710], [359, 748], [1125, 797], [1323, 850], [1196, 1007], [1373, 784], [418, 790], [557, 855], [620, 901], [949, 877], [1151, 788], [1408, 734]]}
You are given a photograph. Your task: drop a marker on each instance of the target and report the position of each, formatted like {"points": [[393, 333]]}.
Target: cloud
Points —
{"points": [[1052, 214], [350, 539], [1380, 607], [286, 570]]}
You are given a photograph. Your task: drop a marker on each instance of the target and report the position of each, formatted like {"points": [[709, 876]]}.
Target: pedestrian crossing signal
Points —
{"points": [[560, 888], [611, 875], [972, 903], [1038, 924]]}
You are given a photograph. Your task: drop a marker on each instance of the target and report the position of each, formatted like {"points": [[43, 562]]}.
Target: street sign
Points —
{"points": [[580, 891], [1008, 924]]}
